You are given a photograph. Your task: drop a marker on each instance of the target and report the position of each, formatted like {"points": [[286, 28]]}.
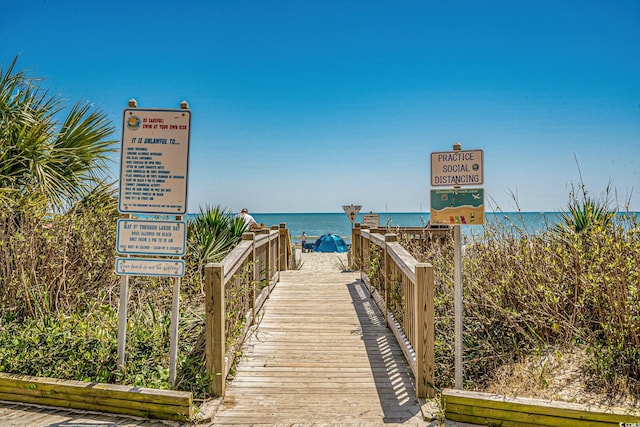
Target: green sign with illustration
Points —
{"points": [[458, 206]]}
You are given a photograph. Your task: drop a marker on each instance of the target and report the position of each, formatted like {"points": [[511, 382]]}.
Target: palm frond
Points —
{"points": [[62, 161]]}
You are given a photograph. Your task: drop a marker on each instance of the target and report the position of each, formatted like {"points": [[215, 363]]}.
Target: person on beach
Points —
{"points": [[303, 240], [248, 219]]}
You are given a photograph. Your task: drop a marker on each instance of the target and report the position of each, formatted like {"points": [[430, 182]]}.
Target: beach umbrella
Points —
{"points": [[330, 243]]}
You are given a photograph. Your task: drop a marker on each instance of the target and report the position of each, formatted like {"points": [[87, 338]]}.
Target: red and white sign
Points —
{"points": [[351, 211], [371, 220]]}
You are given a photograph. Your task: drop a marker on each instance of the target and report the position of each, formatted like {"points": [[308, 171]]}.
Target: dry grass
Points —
{"points": [[553, 315], [557, 375]]}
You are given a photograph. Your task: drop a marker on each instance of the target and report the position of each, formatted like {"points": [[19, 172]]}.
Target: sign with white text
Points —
{"points": [[150, 267], [457, 206], [371, 220], [154, 161], [452, 168], [140, 237]]}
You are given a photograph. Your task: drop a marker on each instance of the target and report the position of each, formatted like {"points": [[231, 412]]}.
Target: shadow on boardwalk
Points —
{"points": [[391, 374]]}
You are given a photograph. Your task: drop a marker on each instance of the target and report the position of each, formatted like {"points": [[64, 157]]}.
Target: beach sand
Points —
{"points": [[323, 261]]}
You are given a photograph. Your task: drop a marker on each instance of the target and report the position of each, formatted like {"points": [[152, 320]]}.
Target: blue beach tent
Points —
{"points": [[330, 243]]}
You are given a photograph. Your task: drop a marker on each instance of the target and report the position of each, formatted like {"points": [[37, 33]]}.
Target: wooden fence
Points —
{"points": [[235, 290], [403, 288]]}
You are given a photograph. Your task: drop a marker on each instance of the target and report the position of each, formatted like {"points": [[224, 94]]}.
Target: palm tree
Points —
{"points": [[41, 157]]}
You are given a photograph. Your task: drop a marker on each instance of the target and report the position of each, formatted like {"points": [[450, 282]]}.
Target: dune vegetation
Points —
{"points": [[551, 313], [569, 290], [58, 290]]}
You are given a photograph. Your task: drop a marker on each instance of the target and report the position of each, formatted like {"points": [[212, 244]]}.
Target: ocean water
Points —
{"points": [[317, 224]]}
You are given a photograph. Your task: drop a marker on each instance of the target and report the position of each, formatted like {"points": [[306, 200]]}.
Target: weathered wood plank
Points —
{"points": [[12, 414], [464, 405], [37, 385], [321, 354], [143, 402], [100, 403]]}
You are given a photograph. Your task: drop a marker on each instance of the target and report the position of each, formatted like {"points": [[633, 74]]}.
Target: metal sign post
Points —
{"points": [[173, 333], [457, 207], [153, 180], [352, 212], [457, 295]]}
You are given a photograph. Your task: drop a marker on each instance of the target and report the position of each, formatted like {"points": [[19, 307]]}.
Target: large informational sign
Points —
{"points": [[453, 168], [150, 237], [150, 267], [457, 206], [154, 161]]}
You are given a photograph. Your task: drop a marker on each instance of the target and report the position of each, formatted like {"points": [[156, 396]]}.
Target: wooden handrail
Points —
{"points": [[257, 257], [412, 322]]}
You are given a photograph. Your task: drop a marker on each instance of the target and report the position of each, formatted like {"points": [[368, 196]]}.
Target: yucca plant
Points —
{"points": [[583, 215], [584, 212], [211, 235]]}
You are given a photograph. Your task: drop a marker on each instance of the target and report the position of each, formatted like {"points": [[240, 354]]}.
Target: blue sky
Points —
{"points": [[304, 106]]}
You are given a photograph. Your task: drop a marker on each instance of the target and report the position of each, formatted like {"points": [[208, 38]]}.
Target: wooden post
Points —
{"points": [[365, 249], [424, 331], [265, 274], [356, 246], [284, 261], [276, 252], [386, 259], [254, 269], [215, 342]]}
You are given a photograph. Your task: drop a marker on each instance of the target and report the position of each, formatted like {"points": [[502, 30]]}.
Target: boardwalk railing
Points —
{"points": [[235, 290], [403, 288]]}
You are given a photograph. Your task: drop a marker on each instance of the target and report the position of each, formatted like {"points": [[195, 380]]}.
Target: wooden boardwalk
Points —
{"points": [[321, 355], [22, 415]]}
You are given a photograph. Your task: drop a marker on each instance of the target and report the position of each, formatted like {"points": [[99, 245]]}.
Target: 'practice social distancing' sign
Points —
{"points": [[457, 206], [452, 168]]}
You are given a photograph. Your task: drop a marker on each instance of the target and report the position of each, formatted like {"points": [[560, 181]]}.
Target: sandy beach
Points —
{"points": [[323, 261]]}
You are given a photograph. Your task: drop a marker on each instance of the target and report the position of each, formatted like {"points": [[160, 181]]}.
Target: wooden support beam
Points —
{"points": [[424, 329], [215, 347], [113, 398], [493, 409]]}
